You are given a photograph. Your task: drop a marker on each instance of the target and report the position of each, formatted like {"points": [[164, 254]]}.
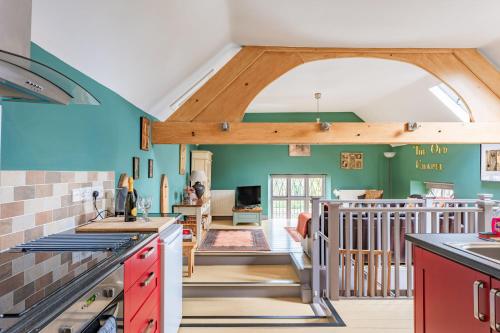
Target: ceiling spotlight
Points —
{"points": [[412, 126], [225, 126], [325, 126]]}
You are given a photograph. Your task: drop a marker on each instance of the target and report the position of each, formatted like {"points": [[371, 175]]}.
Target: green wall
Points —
{"points": [[83, 137], [240, 165], [461, 166]]}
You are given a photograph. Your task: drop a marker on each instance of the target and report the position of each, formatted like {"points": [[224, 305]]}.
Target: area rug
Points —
{"points": [[235, 240], [292, 231]]}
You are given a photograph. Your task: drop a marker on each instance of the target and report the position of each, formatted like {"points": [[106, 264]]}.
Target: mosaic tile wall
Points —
{"points": [[39, 203]]}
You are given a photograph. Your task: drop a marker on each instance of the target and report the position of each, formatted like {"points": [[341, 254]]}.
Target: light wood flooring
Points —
{"points": [[242, 273], [360, 316]]}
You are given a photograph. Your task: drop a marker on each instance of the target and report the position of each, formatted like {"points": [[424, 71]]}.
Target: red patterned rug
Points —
{"points": [[292, 231], [235, 240]]}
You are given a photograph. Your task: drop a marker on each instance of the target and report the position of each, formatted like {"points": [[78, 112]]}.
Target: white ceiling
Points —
{"points": [[144, 49]]}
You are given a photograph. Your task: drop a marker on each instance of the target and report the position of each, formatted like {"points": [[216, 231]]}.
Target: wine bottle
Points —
{"points": [[130, 202]]}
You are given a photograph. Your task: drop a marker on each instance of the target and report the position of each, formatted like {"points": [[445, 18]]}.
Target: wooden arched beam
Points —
{"points": [[226, 96]]}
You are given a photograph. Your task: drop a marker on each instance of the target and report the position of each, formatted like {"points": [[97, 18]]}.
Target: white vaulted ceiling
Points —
{"points": [[145, 49]]}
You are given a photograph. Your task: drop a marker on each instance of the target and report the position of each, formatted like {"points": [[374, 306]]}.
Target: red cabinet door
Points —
{"points": [[495, 305], [444, 296]]}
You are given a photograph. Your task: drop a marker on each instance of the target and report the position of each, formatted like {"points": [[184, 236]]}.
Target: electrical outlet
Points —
{"points": [[99, 189], [82, 194], [77, 195], [87, 193]]}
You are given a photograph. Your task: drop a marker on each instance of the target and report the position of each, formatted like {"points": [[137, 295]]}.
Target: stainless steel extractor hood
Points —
{"points": [[23, 79]]}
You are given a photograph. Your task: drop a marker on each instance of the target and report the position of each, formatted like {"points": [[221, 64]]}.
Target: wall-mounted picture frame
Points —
{"points": [[351, 161], [490, 162], [136, 167], [145, 133], [182, 159], [150, 168], [298, 150]]}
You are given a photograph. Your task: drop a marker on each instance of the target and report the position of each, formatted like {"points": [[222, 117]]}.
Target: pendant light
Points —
{"points": [[324, 126]]}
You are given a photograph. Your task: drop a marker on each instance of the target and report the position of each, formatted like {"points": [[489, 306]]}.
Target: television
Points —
{"points": [[247, 196]]}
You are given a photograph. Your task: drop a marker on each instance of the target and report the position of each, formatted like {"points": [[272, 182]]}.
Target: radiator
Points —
{"points": [[222, 202]]}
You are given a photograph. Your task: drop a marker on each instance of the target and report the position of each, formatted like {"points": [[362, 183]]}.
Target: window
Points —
{"points": [[452, 101], [439, 190], [291, 194]]}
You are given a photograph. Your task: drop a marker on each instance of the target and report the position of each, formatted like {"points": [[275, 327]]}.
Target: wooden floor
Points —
{"points": [[242, 273], [360, 316], [278, 238]]}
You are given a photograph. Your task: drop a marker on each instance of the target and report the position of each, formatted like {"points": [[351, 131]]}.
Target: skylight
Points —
{"points": [[452, 101]]}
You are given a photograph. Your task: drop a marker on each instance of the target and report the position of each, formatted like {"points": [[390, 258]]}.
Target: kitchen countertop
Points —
{"points": [[157, 223], [49, 308], [436, 243]]}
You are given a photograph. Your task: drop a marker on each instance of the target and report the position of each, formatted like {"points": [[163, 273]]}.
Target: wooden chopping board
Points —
{"points": [[116, 224]]}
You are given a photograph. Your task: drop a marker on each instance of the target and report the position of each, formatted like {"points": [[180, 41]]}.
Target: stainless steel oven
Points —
{"points": [[92, 311]]}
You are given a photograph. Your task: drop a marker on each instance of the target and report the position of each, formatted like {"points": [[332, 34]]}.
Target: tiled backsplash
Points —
{"points": [[39, 203]]}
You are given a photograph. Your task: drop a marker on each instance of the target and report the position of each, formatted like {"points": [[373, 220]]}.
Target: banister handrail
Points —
{"points": [[411, 209]]}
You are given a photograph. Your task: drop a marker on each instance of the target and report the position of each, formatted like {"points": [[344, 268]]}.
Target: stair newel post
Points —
{"points": [[333, 250], [315, 256], [484, 217]]}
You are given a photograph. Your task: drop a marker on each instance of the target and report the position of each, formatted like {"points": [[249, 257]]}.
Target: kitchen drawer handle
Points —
{"points": [[479, 316], [495, 326], [148, 253], [150, 278], [150, 327]]}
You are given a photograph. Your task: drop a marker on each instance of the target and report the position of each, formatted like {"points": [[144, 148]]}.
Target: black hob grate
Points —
{"points": [[78, 242]]}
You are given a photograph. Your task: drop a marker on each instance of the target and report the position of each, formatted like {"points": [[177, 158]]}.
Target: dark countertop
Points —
{"points": [[436, 243]]}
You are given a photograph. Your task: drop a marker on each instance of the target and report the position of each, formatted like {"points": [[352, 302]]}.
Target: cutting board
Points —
{"points": [[116, 224], [164, 194]]}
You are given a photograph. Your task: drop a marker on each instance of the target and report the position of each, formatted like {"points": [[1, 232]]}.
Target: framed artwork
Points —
{"points": [[299, 150], [182, 159], [490, 162], [150, 168], [145, 133], [136, 167], [353, 161]]}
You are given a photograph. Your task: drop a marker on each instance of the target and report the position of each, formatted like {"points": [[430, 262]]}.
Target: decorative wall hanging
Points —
{"points": [[164, 206], [145, 133], [150, 168], [299, 150], [136, 167], [182, 159], [351, 161], [490, 162]]}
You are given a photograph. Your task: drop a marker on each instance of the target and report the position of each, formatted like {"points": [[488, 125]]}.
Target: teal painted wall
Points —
{"points": [[461, 166], [240, 165], [83, 137]]}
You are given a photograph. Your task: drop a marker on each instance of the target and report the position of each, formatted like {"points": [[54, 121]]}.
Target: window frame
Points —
{"points": [[289, 198]]}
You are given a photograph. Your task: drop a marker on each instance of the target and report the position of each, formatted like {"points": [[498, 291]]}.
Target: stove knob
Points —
{"points": [[109, 292], [66, 329]]}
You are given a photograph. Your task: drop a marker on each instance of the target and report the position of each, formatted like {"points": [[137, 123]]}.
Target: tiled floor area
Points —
{"points": [[276, 234]]}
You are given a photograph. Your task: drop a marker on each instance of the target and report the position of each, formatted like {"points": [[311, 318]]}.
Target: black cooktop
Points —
{"points": [[33, 271]]}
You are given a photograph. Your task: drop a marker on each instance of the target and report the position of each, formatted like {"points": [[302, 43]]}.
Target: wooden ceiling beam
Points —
{"points": [[227, 95], [310, 133]]}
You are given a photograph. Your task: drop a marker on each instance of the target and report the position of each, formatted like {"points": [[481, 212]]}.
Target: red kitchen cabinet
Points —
{"points": [[142, 288], [495, 305], [445, 299]]}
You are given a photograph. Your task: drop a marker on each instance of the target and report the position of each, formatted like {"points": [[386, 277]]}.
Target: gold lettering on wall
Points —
{"points": [[435, 149]]}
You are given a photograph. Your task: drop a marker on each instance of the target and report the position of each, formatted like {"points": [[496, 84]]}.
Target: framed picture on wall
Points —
{"points": [[145, 133], [353, 161], [490, 162], [150, 168], [136, 167], [295, 150], [182, 159]]}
